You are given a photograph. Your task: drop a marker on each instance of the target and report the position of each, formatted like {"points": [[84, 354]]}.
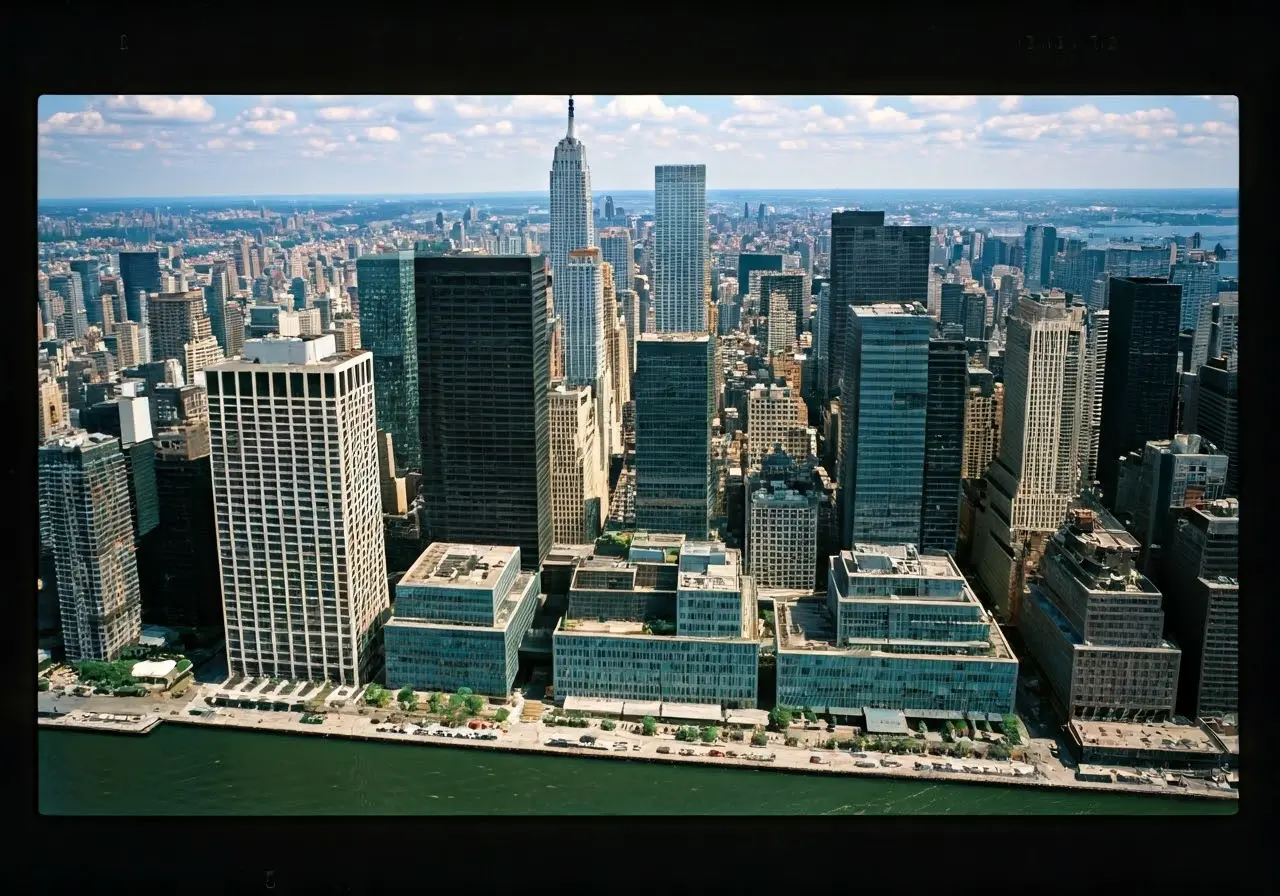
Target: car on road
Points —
{"points": [[635, 748], [719, 754], [587, 739], [664, 750], [620, 747]]}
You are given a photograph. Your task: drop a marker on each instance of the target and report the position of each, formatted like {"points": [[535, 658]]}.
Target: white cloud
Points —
{"points": [[793, 144], [892, 120], [268, 119], [424, 103], [650, 107], [726, 147], [861, 104], [89, 123], [216, 143], [944, 102], [545, 106], [753, 103], [444, 139], [1084, 123], [474, 110], [131, 145], [244, 145], [1010, 102], [345, 113], [175, 109], [382, 134], [487, 130]]}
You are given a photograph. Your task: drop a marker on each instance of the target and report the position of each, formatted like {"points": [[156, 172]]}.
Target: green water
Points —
{"points": [[214, 772]]}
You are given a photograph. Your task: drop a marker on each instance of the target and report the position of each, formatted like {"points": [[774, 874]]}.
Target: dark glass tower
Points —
{"points": [[389, 329], [755, 261], [1217, 414], [90, 287], [871, 263], [675, 402], [1139, 393], [179, 565], [139, 271], [944, 444], [483, 367], [1040, 250], [882, 424]]}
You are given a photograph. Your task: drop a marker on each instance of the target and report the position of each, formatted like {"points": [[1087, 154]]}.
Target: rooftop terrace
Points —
{"points": [[461, 565], [807, 625], [1144, 736], [501, 618]]}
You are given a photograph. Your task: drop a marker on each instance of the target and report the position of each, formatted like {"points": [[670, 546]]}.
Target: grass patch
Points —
{"points": [[288, 688]]}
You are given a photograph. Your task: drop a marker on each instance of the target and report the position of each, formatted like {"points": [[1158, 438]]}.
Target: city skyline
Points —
{"points": [[158, 146]]}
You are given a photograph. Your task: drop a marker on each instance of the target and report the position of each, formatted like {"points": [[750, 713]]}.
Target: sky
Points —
{"points": [[158, 146]]}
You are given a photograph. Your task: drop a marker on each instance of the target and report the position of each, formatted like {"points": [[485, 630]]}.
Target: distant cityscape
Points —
{"points": [[831, 474]]}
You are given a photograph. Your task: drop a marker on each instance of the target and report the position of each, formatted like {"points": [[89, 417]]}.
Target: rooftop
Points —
{"points": [[501, 617], [1144, 736], [460, 565], [617, 627], [889, 309], [674, 337], [806, 625], [716, 578]]}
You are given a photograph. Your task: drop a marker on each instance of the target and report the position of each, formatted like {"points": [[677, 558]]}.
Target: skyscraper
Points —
{"points": [[89, 272], [85, 519], [944, 445], [1199, 282], [870, 263], [180, 329], [298, 506], [579, 481], [1217, 414], [1140, 388], [139, 272], [675, 401], [389, 329], [1034, 477], [483, 372], [1041, 247], [681, 257], [616, 250], [1098, 323], [572, 224], [581, 303], [983, 418], [882, 426]]}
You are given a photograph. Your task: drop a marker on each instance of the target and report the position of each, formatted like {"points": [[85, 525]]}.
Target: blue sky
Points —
{"points": [[105, 146]]}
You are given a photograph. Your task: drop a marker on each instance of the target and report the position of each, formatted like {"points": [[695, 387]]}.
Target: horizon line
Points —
{"points": [[647, 190]]}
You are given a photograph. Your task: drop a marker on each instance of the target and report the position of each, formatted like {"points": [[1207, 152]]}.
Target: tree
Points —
{"points": [[377, 695], [608, 725], [501, 715], [709, 734], [407, 698], [759, 738], [435, 703], [474, 704], [809, 714], [780, 718], [43, 684], [1009, 723], [649, 725]]}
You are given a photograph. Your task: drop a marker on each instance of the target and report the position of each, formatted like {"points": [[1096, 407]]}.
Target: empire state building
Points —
{"points": [[572, 224]]}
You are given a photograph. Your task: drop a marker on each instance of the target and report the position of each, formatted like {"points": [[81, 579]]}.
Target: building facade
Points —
{"points": [[85, 519], [675, 403], [776, 415], [483, 372], [579, 481], [461, 612], [944, 445], [681, 256], [572, 212], [882, 426], [388, 327], [983, 417], [294, 452]]}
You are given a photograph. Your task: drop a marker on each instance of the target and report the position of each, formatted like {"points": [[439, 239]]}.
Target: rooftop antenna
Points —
{"points": [[570, 117]]}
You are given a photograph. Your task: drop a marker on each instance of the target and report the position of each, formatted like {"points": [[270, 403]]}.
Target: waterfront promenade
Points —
{"points": [[531, 737]]}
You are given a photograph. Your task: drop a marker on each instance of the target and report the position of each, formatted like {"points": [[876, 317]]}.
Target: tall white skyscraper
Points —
{"points": [[615, 247], [580, 285], [1098, 323], [299, 510], [681, 255], [572, 222]]}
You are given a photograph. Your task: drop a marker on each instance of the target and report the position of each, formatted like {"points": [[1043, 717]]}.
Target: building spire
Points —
{"points": [[571, 118]]}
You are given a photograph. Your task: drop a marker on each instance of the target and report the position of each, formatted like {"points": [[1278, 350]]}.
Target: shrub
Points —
{"points": [[792, 740], [649, 725], [183, 665], [709, 735], [759, 738], [502, 715], [1009, 725], [780, 717], [608, 725], [550, 722], [42, 684], [377, 695]]}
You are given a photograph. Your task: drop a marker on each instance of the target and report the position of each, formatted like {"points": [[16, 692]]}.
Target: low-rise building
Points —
{"points": [[900, 630], [459, 616], [1094, 624], [1160, 745], [674, 623]]}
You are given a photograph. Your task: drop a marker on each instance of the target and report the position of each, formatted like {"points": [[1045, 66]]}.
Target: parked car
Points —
{"points": [[719, 754], [664, 750]]}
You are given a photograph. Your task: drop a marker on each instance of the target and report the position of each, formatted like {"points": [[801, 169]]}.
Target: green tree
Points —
{"points": [[407, 698], [759, 738], [649, 725], [377, 695], [809, 714], [1009, 724], [435, 703], [709, 734], [999, 752], [465, 692], [43, 684], [780, 718], [608, 725], [474, 704], [502, 715]]}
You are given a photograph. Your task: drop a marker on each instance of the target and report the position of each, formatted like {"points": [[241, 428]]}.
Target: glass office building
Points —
{"points": [[883, 423], [675, 403], [899, 630], [460, 614], [673, 623], [389, 329]]}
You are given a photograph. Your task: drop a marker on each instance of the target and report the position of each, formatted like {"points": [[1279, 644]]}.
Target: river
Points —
{"points": [[198, 771]]}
